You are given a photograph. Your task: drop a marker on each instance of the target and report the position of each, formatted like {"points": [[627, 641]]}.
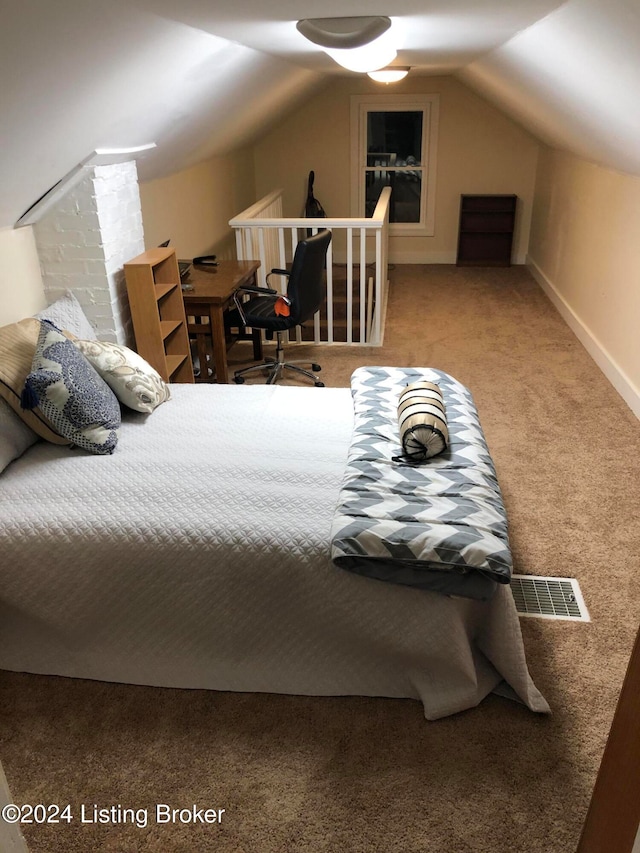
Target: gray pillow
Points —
{"points": [[15, 436], [70, 393], [66, 313]]}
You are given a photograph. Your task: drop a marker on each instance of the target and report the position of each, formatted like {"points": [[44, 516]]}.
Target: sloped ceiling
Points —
{"points": [[200, 77], [573, 79], [79, 75]]}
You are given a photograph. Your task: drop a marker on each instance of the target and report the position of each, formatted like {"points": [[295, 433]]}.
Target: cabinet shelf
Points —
{"points": [[174, 362], [168, 326], [163, 289], [157, 312], [485, 236]]}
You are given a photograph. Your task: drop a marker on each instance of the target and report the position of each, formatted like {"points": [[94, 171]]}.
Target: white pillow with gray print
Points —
{"points": [[132, 379]]}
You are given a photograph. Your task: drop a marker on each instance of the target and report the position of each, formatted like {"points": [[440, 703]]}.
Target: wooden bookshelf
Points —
{"points": [[157, 312], [485, 236]]}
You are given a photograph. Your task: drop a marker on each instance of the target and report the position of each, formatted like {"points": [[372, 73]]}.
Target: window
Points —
{"points": [[393, 143]]}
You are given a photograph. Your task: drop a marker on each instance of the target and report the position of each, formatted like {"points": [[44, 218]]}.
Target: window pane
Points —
{"points": [[406, 188], [394, 138]]}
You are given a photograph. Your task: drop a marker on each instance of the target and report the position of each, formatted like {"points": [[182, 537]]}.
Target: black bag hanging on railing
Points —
{"points": [[313, 209]]}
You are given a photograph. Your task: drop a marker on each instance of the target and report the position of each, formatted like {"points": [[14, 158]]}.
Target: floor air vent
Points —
{"points": [[549, 598]]}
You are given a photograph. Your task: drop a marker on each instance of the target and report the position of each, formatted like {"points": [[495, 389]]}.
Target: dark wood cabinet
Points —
{"points": [[485, 236]]}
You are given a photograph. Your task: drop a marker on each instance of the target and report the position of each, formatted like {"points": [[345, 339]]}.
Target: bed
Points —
{"points": [[197, 556]]}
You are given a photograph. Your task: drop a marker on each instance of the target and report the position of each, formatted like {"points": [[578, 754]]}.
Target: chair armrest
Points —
{"points": [[277, 272], [250, 288], [253, 288]]}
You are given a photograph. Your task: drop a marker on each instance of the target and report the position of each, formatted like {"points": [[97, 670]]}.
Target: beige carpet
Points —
{"points": [[371, 775]]}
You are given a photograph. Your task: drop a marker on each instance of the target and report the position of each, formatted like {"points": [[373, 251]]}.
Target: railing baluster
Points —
{"points": [[329, 301], [260, 232], [294, 243], [349, 286], [262, 255], [375, 338], [369, 308], [282, 257], [363, 284]]}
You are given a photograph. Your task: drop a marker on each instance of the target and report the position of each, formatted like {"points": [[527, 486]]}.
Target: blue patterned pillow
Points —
{"points": [[71, 394]]}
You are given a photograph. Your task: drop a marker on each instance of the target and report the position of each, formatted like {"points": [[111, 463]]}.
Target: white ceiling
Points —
{"points": [[200, 77], [433, 36]]}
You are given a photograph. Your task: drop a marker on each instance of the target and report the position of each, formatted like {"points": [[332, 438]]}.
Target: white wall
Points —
{"points": [[480, 150], [21, 290], [192, 208], [585, 251]]}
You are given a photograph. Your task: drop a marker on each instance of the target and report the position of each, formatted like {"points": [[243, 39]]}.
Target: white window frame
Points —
{"points": [[429, 105]]}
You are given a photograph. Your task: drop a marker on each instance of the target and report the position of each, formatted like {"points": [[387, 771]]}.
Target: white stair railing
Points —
{"points": [[263, 234]]}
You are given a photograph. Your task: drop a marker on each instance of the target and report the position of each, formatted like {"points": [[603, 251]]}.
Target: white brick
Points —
{"points": [[73, 252], [81, 198], [86, 238], [59, 282], [54, 293], [51, 254], [94, 267], [50, 237], [46, 231], [98, 296], [70, 268], [77, 222]]}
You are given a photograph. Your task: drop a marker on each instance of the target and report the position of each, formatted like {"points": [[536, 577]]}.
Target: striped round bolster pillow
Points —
{"points": [[422, 419]]}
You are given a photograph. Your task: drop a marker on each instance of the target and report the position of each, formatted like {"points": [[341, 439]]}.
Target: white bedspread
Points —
{"points": [[198, 555]]}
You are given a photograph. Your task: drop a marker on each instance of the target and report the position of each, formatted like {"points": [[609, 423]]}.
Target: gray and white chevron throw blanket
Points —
{"points": [[440, 525]]}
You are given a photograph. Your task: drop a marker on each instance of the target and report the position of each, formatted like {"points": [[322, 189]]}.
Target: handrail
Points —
{"points": [[302, 222], [265, 201], [247, 218], [265, 238]]}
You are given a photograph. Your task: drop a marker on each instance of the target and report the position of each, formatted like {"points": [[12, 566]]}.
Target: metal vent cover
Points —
{"points": [[549, 598]]}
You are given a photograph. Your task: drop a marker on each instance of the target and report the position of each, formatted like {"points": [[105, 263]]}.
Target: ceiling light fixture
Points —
{"points": [[366, 58], [343, 33], [358, 44], [391, 74]]}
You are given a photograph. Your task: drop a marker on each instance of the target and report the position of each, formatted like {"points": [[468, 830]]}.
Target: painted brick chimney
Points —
{"points": [[84, 239]]}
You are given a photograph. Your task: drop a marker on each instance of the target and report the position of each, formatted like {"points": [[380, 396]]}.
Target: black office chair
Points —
{"points": [[305, 295]]}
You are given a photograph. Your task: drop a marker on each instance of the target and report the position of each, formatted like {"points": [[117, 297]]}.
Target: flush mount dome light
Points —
{"points": [[343, 33], [389, 75], [359, 44]]}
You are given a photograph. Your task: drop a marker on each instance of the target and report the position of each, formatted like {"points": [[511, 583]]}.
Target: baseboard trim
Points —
{"points": [[607, 364]]}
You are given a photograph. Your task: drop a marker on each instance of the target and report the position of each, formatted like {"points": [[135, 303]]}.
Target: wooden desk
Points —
{"points": [[212, 294]]}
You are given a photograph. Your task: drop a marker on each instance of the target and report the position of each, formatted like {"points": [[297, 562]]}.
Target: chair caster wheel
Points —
{"points": [[239, 380], [316, 367], [319, 384]]}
